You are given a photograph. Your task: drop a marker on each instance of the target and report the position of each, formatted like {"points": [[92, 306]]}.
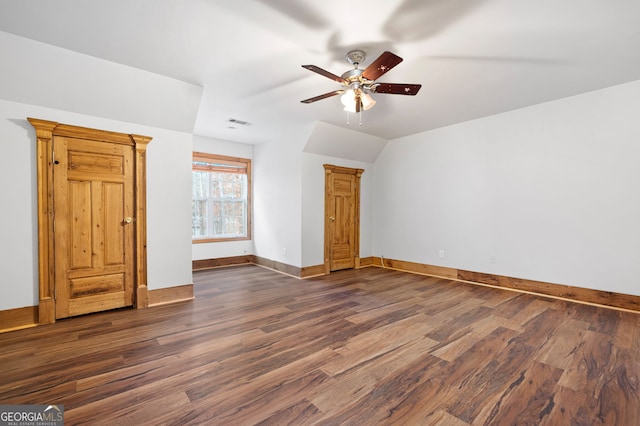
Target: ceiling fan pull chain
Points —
{"points": [[359, 118]]}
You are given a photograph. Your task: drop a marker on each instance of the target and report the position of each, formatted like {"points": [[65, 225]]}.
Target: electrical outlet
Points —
{"points": [[441, 254], [492, 259]]}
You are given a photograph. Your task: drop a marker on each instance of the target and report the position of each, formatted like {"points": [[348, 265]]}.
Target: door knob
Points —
{"points": [[128, 219], [332, 219]]}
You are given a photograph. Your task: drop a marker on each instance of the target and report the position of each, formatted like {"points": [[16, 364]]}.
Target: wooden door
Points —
{"points": [[94, 237], [342, 218]]}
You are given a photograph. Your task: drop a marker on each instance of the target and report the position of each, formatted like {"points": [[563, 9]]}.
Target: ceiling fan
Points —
{"points": [[359, 83]]}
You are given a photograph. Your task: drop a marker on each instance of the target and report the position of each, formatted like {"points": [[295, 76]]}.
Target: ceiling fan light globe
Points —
{"points": [[367, 101], [349, 99]]}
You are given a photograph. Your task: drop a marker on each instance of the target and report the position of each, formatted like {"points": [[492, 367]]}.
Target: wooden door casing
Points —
{"points": [[47, 132], [94, 228], [342, 218]]}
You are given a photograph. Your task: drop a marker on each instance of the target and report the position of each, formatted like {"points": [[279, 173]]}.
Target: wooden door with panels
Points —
{"points": [[94, 242], [342, 218], [91, 219]]}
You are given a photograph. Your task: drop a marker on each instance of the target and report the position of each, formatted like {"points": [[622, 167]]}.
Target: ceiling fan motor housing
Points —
{"points": [[355, 80]]}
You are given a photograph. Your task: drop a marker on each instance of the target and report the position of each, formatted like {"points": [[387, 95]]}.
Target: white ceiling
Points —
{"points": [[473, 57]]}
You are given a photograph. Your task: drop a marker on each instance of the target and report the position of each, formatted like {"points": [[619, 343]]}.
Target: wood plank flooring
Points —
{"points": [[360, 347]]}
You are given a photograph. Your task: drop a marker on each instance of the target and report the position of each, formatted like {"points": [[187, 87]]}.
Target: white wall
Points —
{"points": [[168, 199], [36, 73], [313, 177], [277, 197], [169, 208], [550, 190], [227, 248], [339, 142], [221, 147]]}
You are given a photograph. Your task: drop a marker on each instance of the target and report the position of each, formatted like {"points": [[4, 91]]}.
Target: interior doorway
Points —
{"points": [[341, 218], [91, 220]]}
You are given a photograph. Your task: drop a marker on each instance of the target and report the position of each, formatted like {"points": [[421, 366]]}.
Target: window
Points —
{"points": [[220, 198]]}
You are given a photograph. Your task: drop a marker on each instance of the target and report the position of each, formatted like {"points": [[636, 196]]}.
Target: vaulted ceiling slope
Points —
{"points": [[473, 57]]}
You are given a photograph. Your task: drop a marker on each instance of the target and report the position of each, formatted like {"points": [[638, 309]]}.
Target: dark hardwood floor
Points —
{"points": [[360, 347]]}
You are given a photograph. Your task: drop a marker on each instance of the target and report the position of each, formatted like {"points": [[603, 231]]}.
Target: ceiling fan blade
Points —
{"points": [[325, 73], [358, 103], [397, 89], [324, 96], [380, 66]]}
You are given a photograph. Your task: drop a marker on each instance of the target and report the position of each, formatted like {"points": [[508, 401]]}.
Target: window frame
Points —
{"points": [[232, 164]]}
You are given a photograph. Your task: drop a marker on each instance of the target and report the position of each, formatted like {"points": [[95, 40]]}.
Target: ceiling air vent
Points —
{"points": [[238, 122]]}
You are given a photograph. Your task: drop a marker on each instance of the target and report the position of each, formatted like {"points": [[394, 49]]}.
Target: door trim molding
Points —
{"points": [[45, 132], [329, 169]]}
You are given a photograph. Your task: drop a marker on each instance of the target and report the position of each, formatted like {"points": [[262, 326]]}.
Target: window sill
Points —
{"points": [[219, 240]]}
